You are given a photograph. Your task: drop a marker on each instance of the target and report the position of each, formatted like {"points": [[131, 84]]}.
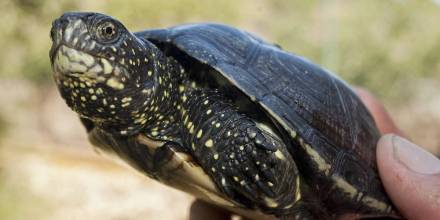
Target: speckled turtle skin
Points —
{"points": [[220, 113]]}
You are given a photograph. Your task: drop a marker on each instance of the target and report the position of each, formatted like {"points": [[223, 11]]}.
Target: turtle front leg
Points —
{"points": [[247, 163]]}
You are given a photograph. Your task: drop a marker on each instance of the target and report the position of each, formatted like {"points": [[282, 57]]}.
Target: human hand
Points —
{"points": [[411, 175]]}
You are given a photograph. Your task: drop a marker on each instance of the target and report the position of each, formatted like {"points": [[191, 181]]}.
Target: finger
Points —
{"points": [[381, 117], [411, 177], [201, 211]]}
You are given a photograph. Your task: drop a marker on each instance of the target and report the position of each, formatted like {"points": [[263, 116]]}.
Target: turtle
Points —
{"points": [[222, 114]]}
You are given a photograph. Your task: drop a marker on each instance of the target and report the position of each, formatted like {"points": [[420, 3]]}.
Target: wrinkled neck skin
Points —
{"points": [[157, 115]]}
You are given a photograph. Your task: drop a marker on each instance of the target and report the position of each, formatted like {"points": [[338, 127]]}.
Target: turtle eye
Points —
{"points": [[107, 32]]}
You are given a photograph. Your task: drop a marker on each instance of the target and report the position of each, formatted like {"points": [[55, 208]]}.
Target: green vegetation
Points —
{"points": [[17, 202], [382, 45]]}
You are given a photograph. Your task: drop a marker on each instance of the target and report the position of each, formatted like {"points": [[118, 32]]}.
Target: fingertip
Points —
{"points": [[415, 194]]}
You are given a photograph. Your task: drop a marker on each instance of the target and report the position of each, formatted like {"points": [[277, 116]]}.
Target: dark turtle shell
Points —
{"points": [[333, 136]]}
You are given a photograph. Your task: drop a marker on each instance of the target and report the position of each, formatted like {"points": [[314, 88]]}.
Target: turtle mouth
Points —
{"points": [[69, 61]]}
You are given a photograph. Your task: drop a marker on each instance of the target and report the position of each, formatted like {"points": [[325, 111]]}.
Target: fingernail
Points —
{"points": [[414, 157]]}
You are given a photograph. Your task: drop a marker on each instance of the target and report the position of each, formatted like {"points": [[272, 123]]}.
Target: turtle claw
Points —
{"points": [[262, 139], [267, 174], [265, 188]]}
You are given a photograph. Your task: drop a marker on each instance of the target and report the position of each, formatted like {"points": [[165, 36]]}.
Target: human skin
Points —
{"points": [[411, 175]]}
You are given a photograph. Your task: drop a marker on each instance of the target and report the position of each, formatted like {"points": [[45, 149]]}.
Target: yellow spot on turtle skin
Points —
{"points": [[181, 88], [126, 99], [241, 147], [228, 133], [154, 133], [223, 181], [209, 143], [279, 155], [106, 66], [217, 125], [257, 177], [83, 98], [206, 102], [115, 84], [184, 98], [270, 184], [293, 134], [125, 104], [193, 146], [99, 91], [189, 125], [215, 156], [199, 134], [160, 80], [91, 91], [213, 169], [65, 84], [191, 130], [93, 97], [236, 179], [270, 202], [150, 73], [208, 111], [112, 106]]}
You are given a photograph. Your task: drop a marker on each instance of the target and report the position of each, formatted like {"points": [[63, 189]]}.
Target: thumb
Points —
{"points": [[411, 177]]}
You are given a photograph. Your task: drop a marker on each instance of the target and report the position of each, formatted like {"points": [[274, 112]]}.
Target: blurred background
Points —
{"points": [[49, 171]]}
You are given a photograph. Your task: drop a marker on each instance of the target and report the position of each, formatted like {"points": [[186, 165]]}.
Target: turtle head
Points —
{"points": [[103, 71]]}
